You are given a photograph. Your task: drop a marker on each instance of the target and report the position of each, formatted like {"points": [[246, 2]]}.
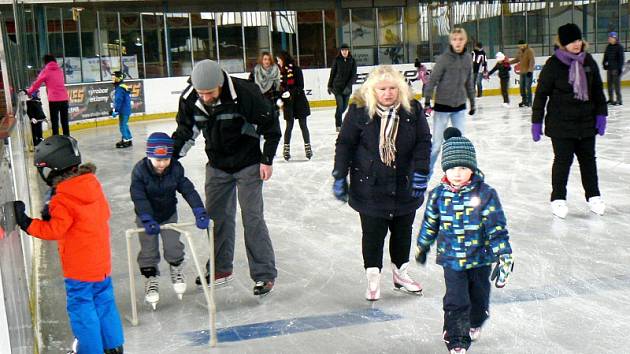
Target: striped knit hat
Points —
{"points": [[457, 151], [160, 145]]}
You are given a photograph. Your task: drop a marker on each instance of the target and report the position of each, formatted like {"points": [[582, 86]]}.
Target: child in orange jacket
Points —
{"points": [[77, 216]]}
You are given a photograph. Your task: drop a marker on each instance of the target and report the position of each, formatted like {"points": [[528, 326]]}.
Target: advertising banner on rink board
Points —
{"points": [[96, 100]]}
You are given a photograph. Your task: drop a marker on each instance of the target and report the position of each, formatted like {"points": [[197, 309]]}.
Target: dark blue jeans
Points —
{"points": [[465, 304], [342, 104], [526, 88]]}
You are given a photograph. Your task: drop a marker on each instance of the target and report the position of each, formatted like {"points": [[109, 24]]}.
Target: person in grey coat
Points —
{"points": [[613, 64], [452, 80]]}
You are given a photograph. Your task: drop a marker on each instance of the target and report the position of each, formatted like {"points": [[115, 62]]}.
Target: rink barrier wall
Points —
{"points": [[161, 95]]}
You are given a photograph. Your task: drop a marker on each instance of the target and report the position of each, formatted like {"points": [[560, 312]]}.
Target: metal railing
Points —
{"points": [[208, 291]]}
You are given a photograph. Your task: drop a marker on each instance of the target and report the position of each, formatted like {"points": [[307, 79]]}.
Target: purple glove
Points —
{"points": [[536, 131], [600, 124]]}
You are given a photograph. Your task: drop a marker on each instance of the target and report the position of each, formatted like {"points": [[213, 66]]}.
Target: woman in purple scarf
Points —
{"points": [[570, 90]]}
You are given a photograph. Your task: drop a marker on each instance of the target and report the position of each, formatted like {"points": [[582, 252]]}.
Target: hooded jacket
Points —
{"points": [[469, 225], [376, 189], [155, 195], [79, 221], [52, 76], [452, 79], [122, 99]]}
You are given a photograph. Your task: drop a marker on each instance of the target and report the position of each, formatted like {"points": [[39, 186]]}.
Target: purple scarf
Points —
{"points": [[577, 76]]}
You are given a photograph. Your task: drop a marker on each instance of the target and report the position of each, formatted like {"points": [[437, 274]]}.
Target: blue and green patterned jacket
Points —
{"points": [[469, 225]]}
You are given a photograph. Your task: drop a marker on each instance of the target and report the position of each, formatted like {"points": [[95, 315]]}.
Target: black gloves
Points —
{"points": [[20, 215]]}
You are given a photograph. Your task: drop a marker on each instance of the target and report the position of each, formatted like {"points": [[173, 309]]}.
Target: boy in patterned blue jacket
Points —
{"points": [[465, 216], [122, 108]]}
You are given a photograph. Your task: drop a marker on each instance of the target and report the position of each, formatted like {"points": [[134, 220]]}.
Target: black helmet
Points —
{"points": [[118, 76], [56, 154]]}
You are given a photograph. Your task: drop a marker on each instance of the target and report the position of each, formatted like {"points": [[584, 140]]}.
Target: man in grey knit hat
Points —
{"points": [[232, 114]]}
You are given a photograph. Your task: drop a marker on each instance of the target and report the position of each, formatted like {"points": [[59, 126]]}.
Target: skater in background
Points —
{"points": [[122, 109], [37, 116], [154, 182], [613, 64], [527, 60], [231, 114], [570, 98], [503, 67], [452, 81], [423, 73], [384, 144], [479, 61], [266, 75], [342, 75], [464, 215], [52, 76], [294, 103], [77, 216]]}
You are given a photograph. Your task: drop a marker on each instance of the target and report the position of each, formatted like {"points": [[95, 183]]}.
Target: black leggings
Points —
{"points": [[374, 233], [59, 110], [289, 129], [505, 86], [564, 150]]}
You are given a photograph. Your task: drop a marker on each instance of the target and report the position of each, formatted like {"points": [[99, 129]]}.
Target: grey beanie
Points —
{"points": [[457, 151], [207, 75]]}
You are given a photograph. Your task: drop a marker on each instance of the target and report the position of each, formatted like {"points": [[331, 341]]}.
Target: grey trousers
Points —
{"points": [[221, 194], [614, 85], [149, 255]]}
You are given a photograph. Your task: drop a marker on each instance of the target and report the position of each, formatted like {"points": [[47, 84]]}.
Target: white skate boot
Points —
{"points": [[178, 280], [373, 291], [597, 205], [458, 351], [402, 280], [151, 291], [474, 333], [559, 208]]}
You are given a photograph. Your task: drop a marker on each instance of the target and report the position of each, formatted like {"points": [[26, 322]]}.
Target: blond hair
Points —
{"points": [[366, 95], [460, 31]]}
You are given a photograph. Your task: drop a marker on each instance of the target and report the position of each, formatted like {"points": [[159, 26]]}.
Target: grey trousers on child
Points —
{"points": [[149, 255], [221, 194]]}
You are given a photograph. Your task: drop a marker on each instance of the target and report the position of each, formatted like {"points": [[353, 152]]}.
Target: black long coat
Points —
{"points": [[296, 106], [377, 189], [567, 117]]}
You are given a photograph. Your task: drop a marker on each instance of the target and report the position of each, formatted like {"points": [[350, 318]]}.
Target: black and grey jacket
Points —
{"points": [[231, 128], [614, 57], [452, 79], [342, 75]]}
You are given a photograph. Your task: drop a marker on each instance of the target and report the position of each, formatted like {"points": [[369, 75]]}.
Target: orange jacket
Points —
{"points": [[79, 220]]}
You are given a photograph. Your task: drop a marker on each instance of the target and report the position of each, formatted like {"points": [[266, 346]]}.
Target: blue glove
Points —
{"points": [[418, 184], [340, 189], [151, 227], [201, 218]]}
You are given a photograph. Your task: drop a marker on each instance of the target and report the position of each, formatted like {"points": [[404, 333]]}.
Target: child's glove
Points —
{"points": [[20, 215], [502, 270], [418, 184], [340, 189], [201, 218], [151, 227], [421, 252]]}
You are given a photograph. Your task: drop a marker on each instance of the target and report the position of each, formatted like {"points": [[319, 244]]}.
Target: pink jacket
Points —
{"points": [[52, 76]]}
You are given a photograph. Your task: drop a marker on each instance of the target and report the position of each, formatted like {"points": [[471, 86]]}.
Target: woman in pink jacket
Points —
{"points": [[52, 76]]}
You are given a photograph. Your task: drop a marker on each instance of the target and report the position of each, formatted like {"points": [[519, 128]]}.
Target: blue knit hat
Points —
{"points": [[457, 151], [160, 145]]}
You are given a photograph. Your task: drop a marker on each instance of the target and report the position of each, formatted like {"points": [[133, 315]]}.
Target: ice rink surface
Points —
{"points": [[569, 293]]}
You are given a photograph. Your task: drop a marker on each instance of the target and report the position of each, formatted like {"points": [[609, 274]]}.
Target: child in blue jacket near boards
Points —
{"points": [[122, 108]]}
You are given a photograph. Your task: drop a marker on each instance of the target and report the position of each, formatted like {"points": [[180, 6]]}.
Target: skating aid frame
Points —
{"points": [[208, 291]]}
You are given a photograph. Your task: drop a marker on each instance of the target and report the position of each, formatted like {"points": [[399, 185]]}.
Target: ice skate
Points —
{"points": [[458, 351], [308, 150], [559, 208], [506, 105], [151, 291], [123, 144], [117, 350], [373, 291], [596, 204], [286, 152], [178, 280], [75, 344], [220, 278], [262, 288], [474, 333], [403, 282]]}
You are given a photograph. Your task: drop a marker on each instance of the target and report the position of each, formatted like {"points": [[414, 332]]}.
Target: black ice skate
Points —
{"points": [[308, 150], [263, 287]]}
